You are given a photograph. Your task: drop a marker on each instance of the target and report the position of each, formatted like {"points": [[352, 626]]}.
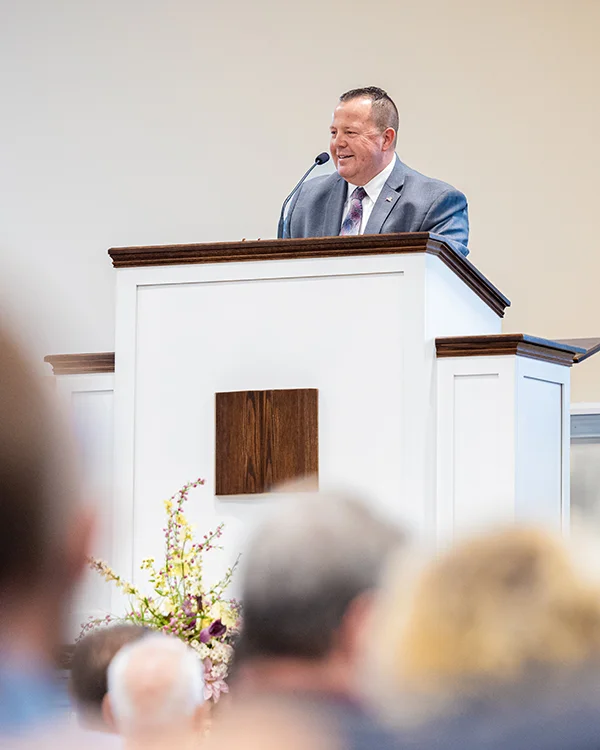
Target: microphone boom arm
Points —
{"points": [[320, 159]]}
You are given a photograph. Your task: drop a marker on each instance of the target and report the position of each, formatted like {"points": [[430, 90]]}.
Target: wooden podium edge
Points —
{"points": [[588, 346], [314, 247], [81, 364], [502, 344]]}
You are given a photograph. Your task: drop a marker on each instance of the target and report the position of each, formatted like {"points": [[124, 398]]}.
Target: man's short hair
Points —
{"points": [[303, 569], [89, 664], [37, 487], [384, 111], [154, 683]]}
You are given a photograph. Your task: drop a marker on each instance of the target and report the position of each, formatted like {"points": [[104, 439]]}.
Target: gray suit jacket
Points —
{"points": [[409, 202]]}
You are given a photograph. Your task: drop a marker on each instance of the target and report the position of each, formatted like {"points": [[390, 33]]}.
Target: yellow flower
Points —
{"points": [[221, 611], [179, 568], [127, 588], [204, 622], [166, 607], [195, 587]]}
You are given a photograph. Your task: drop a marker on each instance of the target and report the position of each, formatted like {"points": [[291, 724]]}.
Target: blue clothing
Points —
{"points": [[409, 202], [554, 712], [29, 696]]}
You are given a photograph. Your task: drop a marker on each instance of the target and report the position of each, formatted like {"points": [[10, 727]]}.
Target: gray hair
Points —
{"points": [[154, 683], [303, 569]]}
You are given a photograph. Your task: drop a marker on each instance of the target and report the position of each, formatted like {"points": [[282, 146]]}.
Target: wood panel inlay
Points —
{"points": [[265, 438], [519, 344], [314, 247], [81, 364]]}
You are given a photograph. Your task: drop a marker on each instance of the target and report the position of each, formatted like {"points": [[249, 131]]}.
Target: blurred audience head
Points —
{"points": [[156, 692], [498, 609], [308, 575], [89, 667], [44, 532], [44, 540], [44, 537]]}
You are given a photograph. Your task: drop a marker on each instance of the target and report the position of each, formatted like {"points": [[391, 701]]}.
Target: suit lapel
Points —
{"points": [[387, 199], [332, 221]]}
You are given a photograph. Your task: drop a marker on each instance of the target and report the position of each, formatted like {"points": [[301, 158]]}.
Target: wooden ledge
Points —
{"points": [[81, 364], [590, 346], [313, 247], [519, 344]]}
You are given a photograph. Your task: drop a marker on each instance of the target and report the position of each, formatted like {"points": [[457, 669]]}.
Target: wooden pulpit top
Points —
{"points": [[314, 247]]}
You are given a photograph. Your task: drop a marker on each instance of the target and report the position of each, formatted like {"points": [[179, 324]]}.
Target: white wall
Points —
{"points": [[145, 122]]}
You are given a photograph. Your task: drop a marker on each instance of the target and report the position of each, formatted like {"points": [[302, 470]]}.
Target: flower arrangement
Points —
{"points": [[179, 605]]}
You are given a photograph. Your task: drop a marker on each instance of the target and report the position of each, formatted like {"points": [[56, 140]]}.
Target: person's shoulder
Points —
{"points": [[319, 185], [430, 185]]}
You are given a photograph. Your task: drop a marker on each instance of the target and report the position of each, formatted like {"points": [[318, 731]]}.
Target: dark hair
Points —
{"points": [[384, 111], [90, 661], [303, 568], [37, 490]]}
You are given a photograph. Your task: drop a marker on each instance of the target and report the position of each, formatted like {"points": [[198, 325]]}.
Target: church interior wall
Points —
{"points": [[144, 122]]}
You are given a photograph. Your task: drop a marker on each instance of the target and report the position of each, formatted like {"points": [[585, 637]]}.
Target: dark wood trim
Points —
{"points": [[519, 344], [81, 364], [252, 250], [313, 247], [590, 346]]}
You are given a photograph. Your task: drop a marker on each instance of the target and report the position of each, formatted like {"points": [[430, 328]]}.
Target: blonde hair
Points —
{"points": [[492, 608]]}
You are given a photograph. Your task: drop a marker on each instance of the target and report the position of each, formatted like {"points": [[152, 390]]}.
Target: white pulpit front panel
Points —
{"points": [[341, 334]]}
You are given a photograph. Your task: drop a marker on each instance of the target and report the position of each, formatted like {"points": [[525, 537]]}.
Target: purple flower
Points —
{"points": [[190, 615], [216, 630]]}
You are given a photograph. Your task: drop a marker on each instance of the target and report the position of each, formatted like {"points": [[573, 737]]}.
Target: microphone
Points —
{"points": [[320, 159]]}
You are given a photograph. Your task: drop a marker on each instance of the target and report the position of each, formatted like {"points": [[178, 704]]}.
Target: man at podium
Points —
{"points": [[372, 191]]}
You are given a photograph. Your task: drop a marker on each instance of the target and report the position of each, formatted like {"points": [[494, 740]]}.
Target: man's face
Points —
{"points": [[358, 148]]}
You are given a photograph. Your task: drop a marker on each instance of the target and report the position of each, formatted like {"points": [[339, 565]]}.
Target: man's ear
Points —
{"points": [[389, 135], [108, 715]]}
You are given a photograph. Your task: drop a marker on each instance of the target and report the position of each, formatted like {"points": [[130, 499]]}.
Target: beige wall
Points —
{"points": [[141, 122]]}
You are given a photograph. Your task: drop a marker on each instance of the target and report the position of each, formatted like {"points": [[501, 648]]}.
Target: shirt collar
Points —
{"points": [[375, 186]]}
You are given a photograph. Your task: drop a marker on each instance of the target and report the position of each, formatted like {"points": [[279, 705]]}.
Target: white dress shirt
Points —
{"points": [[372, 188]]}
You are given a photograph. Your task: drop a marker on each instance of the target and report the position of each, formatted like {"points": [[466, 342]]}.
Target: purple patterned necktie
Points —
{"points": [[351, 224]]}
